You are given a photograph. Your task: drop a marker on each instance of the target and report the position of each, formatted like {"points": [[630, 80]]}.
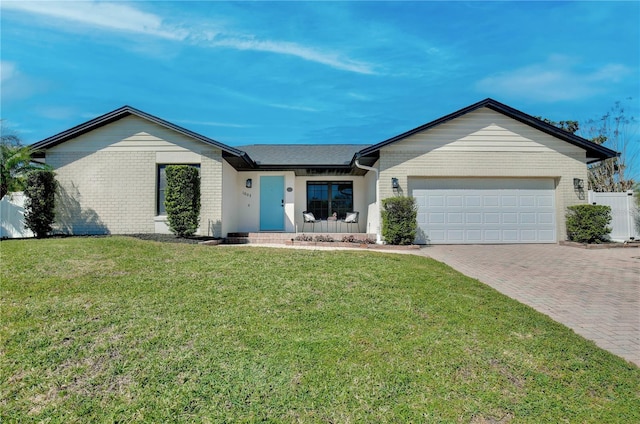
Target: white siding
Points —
{"points": [[486, 144]]}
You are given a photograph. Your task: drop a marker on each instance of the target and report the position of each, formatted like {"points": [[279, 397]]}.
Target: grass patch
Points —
{"points": [[120, 329]]}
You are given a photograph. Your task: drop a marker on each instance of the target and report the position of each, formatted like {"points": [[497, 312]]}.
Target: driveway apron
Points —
{"points": [[595, 292]]}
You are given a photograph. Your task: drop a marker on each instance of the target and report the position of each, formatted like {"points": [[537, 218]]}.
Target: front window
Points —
{"points": [[162, 187], [324, 198]]}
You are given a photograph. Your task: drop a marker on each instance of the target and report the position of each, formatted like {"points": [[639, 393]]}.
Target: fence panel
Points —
{"points": [[623, 211], [12, 216]]}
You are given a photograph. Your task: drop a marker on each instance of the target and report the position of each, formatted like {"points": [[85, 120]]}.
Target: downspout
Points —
{"points": [[369, 168]]}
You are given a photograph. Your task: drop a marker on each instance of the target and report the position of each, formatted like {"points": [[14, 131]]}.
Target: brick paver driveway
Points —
{"points": [[595, 292]]}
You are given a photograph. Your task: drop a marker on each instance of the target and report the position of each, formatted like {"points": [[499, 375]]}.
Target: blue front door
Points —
{"points": [[272, 203]]}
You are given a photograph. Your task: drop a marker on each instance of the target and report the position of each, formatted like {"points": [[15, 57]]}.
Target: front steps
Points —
{"points": [[284, 238]]}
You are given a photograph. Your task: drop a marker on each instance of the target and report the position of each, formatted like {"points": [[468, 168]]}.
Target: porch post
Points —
{"points": [[369, 168]]}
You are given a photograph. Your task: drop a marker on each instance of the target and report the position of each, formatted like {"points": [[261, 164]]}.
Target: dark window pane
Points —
{"points": [[328, 197]]}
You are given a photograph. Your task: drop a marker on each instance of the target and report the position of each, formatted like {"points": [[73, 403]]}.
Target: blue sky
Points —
{"points": [[311, 72]]}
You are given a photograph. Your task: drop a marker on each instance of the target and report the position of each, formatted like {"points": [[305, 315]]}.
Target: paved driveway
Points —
{"points": [[595, 292]]}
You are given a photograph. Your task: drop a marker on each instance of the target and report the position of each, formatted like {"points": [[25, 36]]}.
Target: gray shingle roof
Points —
{"points": [[302, 154]]}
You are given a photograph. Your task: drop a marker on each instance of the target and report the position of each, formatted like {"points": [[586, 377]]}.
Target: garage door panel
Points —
{"points": [[509, 201], [545, 201], [436, 218], [454, 201], [491, 218], [485, 210], [510, 218], [473, 201], [546, 218], [491, 200], [510, 236], [547, 236], [528, 236], [457, 236], [435, 201], [437, 236], [527, 201], [473, 218], [455, 218], [473, 236], [527, 218], [492, 236]]}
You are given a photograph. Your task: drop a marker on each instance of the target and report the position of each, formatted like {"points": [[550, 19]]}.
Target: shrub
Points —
{"points": [[327, 238], [399, 223], [39, 205], [588, 223], [182, 199]]}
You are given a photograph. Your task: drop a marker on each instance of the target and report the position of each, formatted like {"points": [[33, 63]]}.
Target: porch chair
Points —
{"points": [[352, 218], [309, 218]]}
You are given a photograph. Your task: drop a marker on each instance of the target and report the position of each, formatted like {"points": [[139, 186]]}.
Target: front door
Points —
{"points": [[272, 203]]}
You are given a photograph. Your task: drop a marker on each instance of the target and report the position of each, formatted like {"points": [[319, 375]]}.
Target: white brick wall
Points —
{"points": [[113, 191], [211, 193]]}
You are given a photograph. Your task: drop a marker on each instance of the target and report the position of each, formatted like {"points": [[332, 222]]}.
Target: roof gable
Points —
{"points": [[594, 151], [123, 112]]}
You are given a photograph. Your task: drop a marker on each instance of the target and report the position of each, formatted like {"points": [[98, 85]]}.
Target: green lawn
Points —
{"points": [[123, 330]]}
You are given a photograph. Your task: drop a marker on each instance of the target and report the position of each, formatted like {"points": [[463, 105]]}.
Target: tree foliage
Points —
{"points": [[617, 131], [569, 126], [15, 162], [182, 199], [40, 189], [399, 224]]}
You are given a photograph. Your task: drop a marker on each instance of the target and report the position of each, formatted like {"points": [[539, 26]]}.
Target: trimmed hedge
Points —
{"points": [[39, 205], [399, 225], [588, 223], [182, 199]]}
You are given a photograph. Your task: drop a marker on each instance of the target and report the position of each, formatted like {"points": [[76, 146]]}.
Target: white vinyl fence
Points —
{"points": [[623, 211], [12, 216]]}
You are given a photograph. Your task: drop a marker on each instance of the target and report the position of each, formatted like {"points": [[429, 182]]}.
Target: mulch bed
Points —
{"points": [[612, 245], [170, 238]]}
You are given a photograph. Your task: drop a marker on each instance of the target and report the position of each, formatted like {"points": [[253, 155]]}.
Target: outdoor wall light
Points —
{"points": [[394, 184], [578, 183], [248, 183]]}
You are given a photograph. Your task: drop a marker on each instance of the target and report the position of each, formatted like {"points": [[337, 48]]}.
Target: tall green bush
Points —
{"points": [[182, 199], [588, 223], [399, 223], [39, 205]]}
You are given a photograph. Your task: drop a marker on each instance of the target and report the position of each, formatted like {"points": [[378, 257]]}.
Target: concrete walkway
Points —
{"points": [[595, 292]]}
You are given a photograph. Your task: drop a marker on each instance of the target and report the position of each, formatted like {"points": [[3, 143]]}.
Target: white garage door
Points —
{"points": [[485, 210]]}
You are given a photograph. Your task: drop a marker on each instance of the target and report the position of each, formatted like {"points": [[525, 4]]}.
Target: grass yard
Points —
{"points": [[123, 330]]}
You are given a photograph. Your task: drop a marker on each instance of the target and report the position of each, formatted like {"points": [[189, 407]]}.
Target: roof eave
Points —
{"points": [[123, 112], [592, 149]]}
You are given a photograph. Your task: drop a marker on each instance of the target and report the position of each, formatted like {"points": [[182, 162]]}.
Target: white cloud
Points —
{"points": [[110, 16], [56, 112], [557, 79], [293, 107], [212, 123], [126, 18], [7, 71], [331, 59], [16, 85]]}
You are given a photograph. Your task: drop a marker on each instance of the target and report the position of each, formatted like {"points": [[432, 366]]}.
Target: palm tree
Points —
{"points": [[15, 162]]}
